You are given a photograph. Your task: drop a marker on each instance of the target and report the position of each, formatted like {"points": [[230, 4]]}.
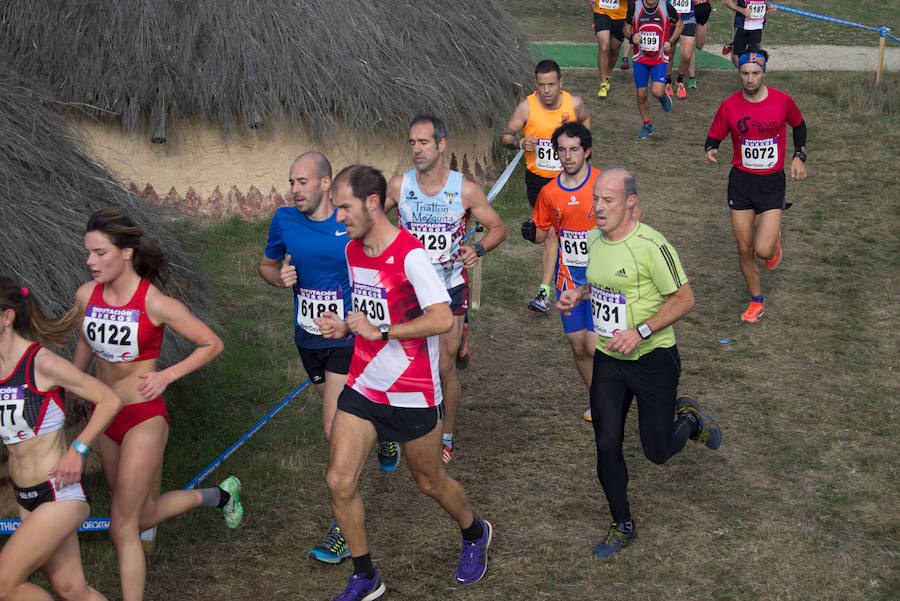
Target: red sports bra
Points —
{"points": [[121, 334]]}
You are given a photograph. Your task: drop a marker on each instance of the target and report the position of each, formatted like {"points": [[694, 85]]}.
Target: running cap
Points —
{"points": [[752, 57]]}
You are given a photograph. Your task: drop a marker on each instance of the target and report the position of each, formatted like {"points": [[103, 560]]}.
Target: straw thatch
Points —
{"points": [[252, 63], [48, 189]]}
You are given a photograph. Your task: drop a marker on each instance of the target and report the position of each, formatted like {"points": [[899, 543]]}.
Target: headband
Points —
{"points": [[752, 57]]}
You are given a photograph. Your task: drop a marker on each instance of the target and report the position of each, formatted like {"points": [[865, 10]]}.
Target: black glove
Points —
{"points": [[529, 230]]}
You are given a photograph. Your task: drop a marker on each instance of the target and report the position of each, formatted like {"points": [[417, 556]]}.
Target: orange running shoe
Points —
{"points": [[446, 455], [680, 91], [754, 311], [773, 261]]}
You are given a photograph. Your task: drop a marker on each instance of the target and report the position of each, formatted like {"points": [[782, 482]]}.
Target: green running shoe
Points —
{"points": [[233, 510]]}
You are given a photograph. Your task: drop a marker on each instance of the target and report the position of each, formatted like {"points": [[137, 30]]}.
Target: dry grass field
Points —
{"points": [[800, 503]]}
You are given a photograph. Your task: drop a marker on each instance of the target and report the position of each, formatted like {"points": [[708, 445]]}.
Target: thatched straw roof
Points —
{"points": [[249, 63], [48, 189]]}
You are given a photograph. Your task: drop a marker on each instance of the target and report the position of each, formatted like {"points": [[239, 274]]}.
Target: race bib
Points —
{"points": [[435, 237], [757, 14], [312, 303], [545, 156], [759, 154], [573, 247], [372, 301], [648, 41], [608, 312], [681, 6], [608, 4], [13, 426], [112, 333]]}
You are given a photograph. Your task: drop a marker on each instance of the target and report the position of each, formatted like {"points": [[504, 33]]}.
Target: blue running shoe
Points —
{"points": [[333, 549], [617, 538], [389, 455], [361, 588], [666, 102], [710, 434], [474, 556], [645, 132]]}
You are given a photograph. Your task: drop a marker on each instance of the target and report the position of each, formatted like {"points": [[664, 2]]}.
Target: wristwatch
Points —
{"points": [[644, 330], [385, 329], [801, 153], [479, 249], [80, 447]]}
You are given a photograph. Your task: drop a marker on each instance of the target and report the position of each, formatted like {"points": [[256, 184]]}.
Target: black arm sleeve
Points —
{"points": [[800, 137], [629, 13], [712, 143]]}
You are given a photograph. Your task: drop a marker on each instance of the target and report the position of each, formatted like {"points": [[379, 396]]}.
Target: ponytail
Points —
{"points": [[30, 321]]}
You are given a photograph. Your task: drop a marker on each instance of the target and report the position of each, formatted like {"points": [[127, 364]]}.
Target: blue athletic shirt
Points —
{"points": [[318, 251]]}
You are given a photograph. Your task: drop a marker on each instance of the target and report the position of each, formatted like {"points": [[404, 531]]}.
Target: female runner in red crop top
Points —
{"points": [[124, 318], [46, 472]]}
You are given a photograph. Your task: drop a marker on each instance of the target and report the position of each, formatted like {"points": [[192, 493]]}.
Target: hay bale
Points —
{"points": [[48, 189], [315, 63]]}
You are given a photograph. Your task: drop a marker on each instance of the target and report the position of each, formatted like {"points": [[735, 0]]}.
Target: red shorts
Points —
{"points": [[134, 414]]}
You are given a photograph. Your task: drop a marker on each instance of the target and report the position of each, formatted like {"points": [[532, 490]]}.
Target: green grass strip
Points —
{"points": [[585, 55]]}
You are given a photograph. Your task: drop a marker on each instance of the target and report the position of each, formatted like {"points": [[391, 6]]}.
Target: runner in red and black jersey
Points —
{"points": [[647, 26], [756, 117]]}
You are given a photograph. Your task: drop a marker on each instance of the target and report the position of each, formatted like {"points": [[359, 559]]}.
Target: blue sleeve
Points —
{"points": [[275, 243]]}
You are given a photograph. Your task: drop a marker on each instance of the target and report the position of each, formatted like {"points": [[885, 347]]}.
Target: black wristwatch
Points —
{"points": [[385, 329], [644, 330], [800, 154], [479, 249]]}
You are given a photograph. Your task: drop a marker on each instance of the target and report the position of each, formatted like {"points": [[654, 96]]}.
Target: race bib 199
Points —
{"points": [[681, 6], [608, 312], [372, 302], [573, 248], [759, 154], [545, 156], [13, 426], [648, 41], [312, 303], [435, 237], [112, 333]]}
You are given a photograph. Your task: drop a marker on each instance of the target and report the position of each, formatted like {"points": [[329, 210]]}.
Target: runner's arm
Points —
{"points": [[514, 126], [581, 112], [676, 306], [280, 274], [51, 371], [164, 310], [392, 197], [476, 202]]}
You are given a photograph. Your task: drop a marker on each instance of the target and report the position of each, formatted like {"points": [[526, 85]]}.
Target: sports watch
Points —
{"points": [[81, 447], [800, 153], [644, 330], [479, 249], [385, 329]]}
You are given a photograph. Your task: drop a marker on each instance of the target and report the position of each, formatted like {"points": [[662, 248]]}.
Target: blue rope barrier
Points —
{"points": [[8, 526], [882, 30], [498, 185]]}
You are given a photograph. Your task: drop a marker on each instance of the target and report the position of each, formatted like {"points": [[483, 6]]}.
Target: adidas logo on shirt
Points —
{"points": [[390, 260], [621, 273]]}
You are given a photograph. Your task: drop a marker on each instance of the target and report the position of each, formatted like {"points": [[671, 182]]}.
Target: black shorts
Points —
{"points": [[616, 27], [746, 40], [400, 424], [689, 30], [758, 192], [31, 497], [533, 185], [316, 361], [701, 12], [459, 298]]}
